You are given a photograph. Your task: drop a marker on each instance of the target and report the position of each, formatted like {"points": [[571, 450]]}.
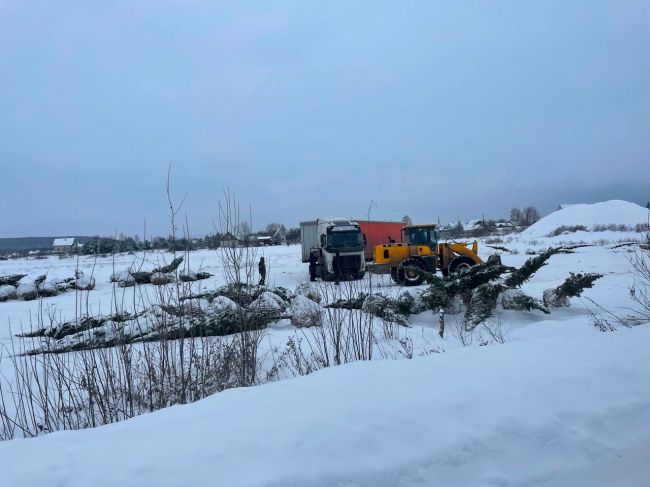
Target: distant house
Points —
{"points": [[477, 224], [61, 245], [262, 240], [228, 240]]}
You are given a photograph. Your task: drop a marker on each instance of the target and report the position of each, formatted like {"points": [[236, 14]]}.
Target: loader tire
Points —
{"points": [[410, 276], [394, 275], [460, 263]]}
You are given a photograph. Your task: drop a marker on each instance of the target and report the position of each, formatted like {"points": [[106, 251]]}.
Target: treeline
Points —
{"points": [[123, 243]]}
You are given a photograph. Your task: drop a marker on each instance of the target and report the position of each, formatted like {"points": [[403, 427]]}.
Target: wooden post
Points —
{"points": [[442, 323]]}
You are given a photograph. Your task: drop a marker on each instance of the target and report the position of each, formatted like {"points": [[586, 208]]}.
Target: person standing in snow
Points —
{"points": [[312, 265], [262, 270]]}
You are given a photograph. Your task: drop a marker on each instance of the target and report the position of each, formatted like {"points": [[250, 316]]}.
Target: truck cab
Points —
{"points": [[335, 246]]}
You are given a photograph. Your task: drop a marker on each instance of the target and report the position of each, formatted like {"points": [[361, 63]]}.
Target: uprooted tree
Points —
{"points": [[481, 288]]}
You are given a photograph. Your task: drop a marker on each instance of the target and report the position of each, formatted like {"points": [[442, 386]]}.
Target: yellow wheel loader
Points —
{"points": [[422, 250]]}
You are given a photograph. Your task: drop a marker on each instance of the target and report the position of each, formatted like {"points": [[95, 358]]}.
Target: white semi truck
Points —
{"points": [[334, 247]]}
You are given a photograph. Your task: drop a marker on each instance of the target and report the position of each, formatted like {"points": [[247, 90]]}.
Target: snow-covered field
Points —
{"points": [[288, 271], [559, 404], [560, 411]]}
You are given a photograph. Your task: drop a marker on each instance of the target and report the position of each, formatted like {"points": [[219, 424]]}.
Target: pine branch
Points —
{"points": [[576, 283], [483, 302]]}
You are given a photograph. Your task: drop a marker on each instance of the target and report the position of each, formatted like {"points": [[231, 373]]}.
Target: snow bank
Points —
{"points": [[605, 213], [513, 414]]}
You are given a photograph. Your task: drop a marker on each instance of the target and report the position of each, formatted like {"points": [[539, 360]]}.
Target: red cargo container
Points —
{"points": [[379, 233]]}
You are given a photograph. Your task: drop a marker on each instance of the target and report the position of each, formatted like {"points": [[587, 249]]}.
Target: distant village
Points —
{"points": [[272, 234]]}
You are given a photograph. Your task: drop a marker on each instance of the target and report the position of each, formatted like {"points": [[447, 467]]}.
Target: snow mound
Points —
{"points": [[614, 212]]}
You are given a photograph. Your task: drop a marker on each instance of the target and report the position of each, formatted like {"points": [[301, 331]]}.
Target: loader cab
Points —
{"points": [[420, 235]]}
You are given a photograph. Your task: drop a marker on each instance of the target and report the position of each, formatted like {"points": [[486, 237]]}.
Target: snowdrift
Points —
{"points": [[562, 412], [605, 213]]}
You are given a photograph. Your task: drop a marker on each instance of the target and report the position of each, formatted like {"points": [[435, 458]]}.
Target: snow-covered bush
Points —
{"points": [[27, 291], [515, 299], [83, 283], [128, 281], [411, 304], [309, 290], [7, 292], [49, 288], [160, 279], [221, 303], [305, 312], [435, 296], [373, 303], [121, 276], [386, 308], [268, 301], [11, 280], [191, 276]]}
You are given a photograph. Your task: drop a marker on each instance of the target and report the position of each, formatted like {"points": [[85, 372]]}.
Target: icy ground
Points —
{"points": [[560, 404]]}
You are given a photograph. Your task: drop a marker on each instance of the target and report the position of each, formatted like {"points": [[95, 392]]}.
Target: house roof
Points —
{"points": [[63, 242], [228, 236]]}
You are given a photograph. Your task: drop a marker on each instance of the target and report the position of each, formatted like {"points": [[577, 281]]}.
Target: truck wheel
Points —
{"points": [[460, 263], [394, 275], [408, 272]]}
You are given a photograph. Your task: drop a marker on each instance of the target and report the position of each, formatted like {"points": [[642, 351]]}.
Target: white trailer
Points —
{"points": [[308, 238]]}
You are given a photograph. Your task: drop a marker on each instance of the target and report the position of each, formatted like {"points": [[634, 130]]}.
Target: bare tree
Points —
{"points": [[239, 263], [173, 209], [529, 215], [515, 215]]}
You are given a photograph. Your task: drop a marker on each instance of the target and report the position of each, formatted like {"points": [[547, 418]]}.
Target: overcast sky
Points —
{"points": [[307, 109]]}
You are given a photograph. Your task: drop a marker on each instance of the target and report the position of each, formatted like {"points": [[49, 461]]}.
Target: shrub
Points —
{"points": [[642, 227], [568, 229], [493, 240]]}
